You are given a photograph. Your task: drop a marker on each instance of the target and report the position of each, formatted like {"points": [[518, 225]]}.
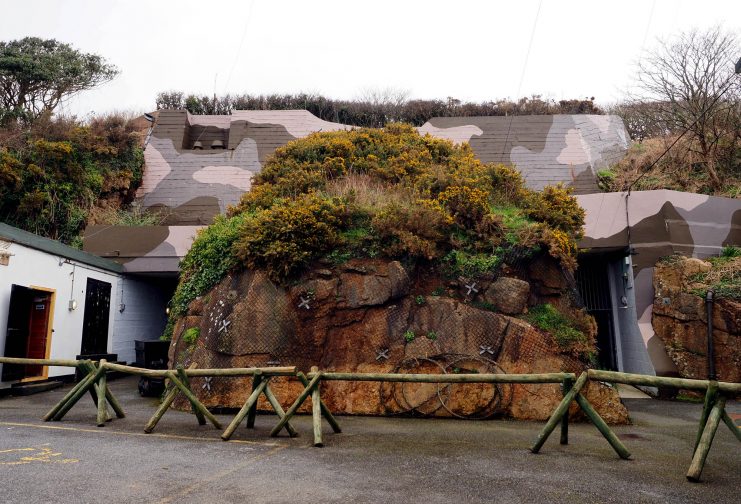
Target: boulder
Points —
{"points": [[508, 295], [371, 284]]}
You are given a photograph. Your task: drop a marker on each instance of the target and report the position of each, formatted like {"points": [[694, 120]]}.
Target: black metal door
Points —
{"points": [[594, 286], [16, 338], [95, 321]]}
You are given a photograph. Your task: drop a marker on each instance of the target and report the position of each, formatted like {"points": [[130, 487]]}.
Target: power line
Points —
{"points": [[522, 75], [241, 43]]}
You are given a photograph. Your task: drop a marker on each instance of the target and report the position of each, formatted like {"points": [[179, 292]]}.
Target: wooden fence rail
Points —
{"points": [[95, 383]]}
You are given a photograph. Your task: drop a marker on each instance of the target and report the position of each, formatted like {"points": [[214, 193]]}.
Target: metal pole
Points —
{"points": [[711, 350]]}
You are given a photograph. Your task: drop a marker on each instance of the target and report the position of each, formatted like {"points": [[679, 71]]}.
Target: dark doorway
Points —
{"points": [[29, 328], [97, 314], [593, 282]]}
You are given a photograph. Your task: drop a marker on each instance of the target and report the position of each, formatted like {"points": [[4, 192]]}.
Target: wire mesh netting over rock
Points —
{"points": [[375, 315]]}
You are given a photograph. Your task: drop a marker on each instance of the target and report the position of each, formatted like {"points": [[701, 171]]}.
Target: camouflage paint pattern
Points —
{"points": [[198, 165], [661, 222], [141, 249], [192, 185], [546, 149]]}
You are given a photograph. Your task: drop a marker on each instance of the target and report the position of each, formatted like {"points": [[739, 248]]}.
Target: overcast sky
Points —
{"points": [[471, 50]]}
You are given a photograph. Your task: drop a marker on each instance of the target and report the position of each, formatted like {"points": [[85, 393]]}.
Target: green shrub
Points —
{"points": [[53, 174], [284, 238], [409, 336], [461, 263], [730, 251], [207, 261], [556, 206], [606, 179], [562, 328], [190, 336], [724, 277]]}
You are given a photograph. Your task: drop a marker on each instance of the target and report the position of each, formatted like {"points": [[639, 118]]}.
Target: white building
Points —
{"points": [[59, 302]]}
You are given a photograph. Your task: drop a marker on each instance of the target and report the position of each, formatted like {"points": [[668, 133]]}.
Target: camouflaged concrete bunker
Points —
{"points": [[198, 165], [195, 166]]}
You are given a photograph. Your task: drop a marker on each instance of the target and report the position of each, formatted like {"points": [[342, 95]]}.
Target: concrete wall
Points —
{"points": [[143, 317], [632, 355], [29, 267]]}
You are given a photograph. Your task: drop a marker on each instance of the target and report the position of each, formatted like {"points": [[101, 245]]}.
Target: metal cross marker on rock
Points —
{"points": [[304, 303], [471, 288], [224, 327], [207, 383], [382, 354], [485, 349]]}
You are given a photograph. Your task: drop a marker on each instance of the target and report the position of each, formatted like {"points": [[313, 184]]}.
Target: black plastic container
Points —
{"points": [[151, 355]]}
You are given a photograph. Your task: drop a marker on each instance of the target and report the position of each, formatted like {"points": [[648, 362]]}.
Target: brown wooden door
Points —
{"points": [[16, 338], [38, 331]]}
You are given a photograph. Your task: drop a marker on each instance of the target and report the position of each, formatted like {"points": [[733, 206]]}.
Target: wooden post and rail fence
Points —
{"points": [[95, 383]]}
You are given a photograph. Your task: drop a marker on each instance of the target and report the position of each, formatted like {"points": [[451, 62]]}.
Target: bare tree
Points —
{"points": [[689, 83]]}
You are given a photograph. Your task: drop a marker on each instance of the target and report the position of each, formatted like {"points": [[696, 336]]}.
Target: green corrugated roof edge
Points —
{"points": [[54, 247]]}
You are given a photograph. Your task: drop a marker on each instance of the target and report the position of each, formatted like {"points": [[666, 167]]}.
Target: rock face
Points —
{"points": [[375, 316], [680, 320], [508, 295]]}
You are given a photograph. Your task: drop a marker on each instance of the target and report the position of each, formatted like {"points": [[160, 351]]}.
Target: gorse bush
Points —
{"points": [[380, 193], [54, 173], [284, 238], [396, 193]]}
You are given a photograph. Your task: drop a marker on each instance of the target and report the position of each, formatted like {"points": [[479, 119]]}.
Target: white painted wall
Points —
{"points": [[33, 268]]}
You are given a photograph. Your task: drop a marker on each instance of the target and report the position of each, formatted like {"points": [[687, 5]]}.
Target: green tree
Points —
{"points": [[37, 74]]}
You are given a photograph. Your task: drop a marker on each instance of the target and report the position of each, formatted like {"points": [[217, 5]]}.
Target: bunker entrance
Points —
{"points": [[596, 285]]}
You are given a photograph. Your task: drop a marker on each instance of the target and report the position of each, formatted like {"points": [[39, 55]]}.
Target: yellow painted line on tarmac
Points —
{"points": [[201, 484], [42, 454], [139, 434]]}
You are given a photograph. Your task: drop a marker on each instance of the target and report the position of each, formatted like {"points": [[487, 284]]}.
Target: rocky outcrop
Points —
{"points": [[375, 316], [680, 321]]}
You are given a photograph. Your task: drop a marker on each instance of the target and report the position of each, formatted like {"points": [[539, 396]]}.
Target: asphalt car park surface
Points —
{"points": [[374, 460]]}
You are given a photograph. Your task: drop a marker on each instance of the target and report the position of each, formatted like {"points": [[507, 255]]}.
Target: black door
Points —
{"points": [[594, 286], [16, 339], [95, 322]]}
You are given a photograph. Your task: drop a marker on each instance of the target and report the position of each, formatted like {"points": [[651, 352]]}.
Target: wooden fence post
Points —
{"points": [[252, 399], [711, 396], [252, 413], [102, 404], [87, 385], [567, 385], [325, 410], [296, 405], [558, 413], [706, 440], [52, 412], [316, 410], [186, 381], [602, 426]]}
